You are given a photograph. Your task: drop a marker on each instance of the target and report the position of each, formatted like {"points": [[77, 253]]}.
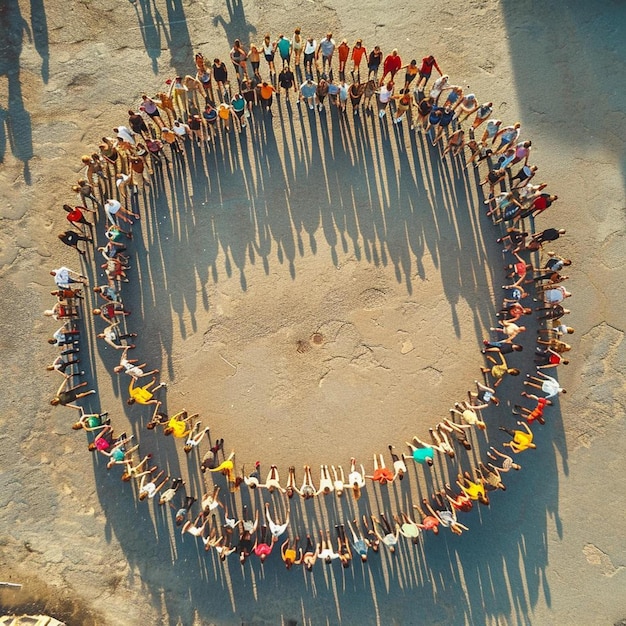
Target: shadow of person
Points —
{"points": [[151, 27], [17, 119], [179, 41], [39, 26], [238, 27]]}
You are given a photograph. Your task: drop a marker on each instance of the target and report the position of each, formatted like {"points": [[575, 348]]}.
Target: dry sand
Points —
{"points": [[290, 238]]}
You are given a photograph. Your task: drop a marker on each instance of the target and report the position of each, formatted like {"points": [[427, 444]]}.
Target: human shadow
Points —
{"points": [[16, 124], [237, 26], [595, 32]]}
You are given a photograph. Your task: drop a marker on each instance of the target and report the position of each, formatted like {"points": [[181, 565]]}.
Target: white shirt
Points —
{"points": [[310, 47], [112, 206]]}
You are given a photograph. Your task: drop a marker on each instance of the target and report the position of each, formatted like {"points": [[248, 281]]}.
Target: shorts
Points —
{"points": [[269, 58]]}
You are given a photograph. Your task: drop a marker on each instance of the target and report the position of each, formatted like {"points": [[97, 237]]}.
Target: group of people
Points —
{"points": [[125, 162]]}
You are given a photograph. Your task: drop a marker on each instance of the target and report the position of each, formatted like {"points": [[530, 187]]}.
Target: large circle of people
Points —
{"points": [[194, 109]]}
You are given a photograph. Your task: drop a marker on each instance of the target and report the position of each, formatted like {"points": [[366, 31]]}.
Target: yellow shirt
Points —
{"points": [[522, 440], [179, 428], [140, 395]]}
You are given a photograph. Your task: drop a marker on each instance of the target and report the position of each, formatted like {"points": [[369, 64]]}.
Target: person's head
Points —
{"points": [[329, 36], [130, 401], [143, 495], [216, 61], [264, 84], [266, 38], [431, 58], [91, 447], [167, 431], [429, 461], [48, 312], [513, 371], [97, 311], [376, 48], [390, 85], [131, 112], [394, 52], [516, 347], [237, 43], [86, 159], [481, 425], [77, 426], [359, 43], [356, 490], [298, 30]]}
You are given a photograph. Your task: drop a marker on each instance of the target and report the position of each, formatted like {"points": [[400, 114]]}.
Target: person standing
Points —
{"points": [[269, 50], [358, 52], [373, 62], [287, 80], [297, 43], [283, 46], [71, 238], [238, 56], [392, 64], [309, 55], [428, 63], [343, 52], [326, 49], [267, 96]]}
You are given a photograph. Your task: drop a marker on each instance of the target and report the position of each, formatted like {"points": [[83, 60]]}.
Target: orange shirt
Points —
{"points": [[267, 91], [358, 52]]}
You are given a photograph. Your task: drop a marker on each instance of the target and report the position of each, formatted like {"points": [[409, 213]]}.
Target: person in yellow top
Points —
{"points": [[473, 489], [143, 395], [499, 370], [289, 553], [227, 468], [178, 424], [521, 440], [224, 112]]}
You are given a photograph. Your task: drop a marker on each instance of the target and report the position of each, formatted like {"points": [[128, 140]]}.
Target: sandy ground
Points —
{"points": [[302, 228]]}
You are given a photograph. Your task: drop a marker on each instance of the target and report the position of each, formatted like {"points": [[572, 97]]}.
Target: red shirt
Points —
{"points": [[542, 202], [344, 52], [427, 66], [392, 64], [75, 215]]}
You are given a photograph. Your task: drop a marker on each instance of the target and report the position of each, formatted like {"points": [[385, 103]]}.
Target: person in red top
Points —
{"points": [[539, 205], [381, 474], [545, 359], [427, 69], [110, 311], [391, 65], [76, 216], [343, 51], [358, 52], [534, 414]]}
